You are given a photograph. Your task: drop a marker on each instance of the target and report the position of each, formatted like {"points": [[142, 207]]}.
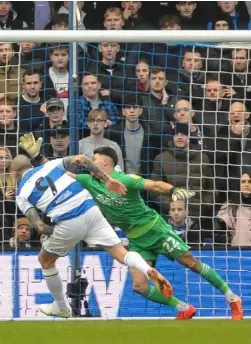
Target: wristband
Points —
{"points": [[37, 160]]}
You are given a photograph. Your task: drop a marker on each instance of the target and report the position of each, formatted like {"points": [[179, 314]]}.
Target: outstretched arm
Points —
{"points": [[37, 223], [168, 189]]}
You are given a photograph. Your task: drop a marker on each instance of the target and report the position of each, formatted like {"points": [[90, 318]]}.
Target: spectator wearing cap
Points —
{"points": [[55, 116], [22, 233], [97, 123], [9, 19], [184, 165], [59, 140], [131, 134], [94, 97], [240, 19], [186, 12]]}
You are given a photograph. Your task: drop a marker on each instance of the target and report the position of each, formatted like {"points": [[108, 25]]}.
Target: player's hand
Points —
{"points": [[115, 186], [79, 160], [30, 145], [180, 194]]}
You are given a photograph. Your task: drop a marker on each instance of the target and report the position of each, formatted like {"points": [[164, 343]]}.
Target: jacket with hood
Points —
{"points": [[13, 22]]}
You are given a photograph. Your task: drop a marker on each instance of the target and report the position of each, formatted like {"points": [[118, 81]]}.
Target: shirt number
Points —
{"points": [[43, 183]]}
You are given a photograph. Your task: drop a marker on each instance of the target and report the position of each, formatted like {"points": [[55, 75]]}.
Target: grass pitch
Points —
{"points": [[126, 332]]}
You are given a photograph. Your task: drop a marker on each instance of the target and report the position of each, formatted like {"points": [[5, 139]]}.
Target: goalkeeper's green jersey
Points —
{"points": [[129, 212]]}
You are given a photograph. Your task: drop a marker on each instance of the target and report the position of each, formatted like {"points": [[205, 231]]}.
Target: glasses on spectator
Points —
{"points": [[182, 109], [96, 120]]}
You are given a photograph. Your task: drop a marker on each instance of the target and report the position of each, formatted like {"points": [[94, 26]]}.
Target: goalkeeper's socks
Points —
{"points": [[215, 279], [230, 296], [55, 285], [153, 294]]}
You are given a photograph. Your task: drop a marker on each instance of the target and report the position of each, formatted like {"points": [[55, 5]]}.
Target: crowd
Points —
{"points": [[177, 113]]}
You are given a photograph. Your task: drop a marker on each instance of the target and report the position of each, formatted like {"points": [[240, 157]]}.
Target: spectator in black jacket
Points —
{"points": [[132, 18], [233, 142], [59, 141], [110, 73], [9, 19], [158, 107], [187, 16]]}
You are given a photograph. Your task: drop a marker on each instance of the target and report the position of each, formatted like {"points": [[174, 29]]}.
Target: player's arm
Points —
{"points": [[37, 223], [168, 189]]}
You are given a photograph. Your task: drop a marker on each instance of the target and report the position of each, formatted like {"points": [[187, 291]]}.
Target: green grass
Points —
{"points": [[127, 332]]}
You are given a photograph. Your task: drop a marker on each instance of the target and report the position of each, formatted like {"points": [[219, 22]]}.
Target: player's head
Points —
{"points": [[19, 165], [105, 157]]}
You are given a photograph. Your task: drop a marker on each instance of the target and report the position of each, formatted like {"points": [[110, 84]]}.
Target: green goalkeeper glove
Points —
{"points": [[180, 194], [30, 145]]}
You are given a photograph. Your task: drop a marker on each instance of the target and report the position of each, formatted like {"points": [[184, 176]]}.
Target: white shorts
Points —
{"points": [[90, 227]]}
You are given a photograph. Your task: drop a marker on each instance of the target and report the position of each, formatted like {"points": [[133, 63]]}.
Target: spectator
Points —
{"points": [[59, 140], [187, 16], [132, 136], [31, 55], [222, 21], [239, 21], [11, 75], [132, 18], [9, 19], [95, 98], [110, 73], [97, 122], [239, 76], [171, 166], [192, 72], [30, 114], [58, 74], [158, 106], [23, 235], [233, 224], [55, 116], [169, 23], [113, 19], [141, 81], [8, 126], [81, 20], [7, 194], [233, 140]]}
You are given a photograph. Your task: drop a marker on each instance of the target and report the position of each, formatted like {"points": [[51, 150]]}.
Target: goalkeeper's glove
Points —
{"points": [[30, 145], [180, 194]]}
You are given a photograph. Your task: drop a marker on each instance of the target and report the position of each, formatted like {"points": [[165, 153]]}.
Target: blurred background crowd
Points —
{"points": [[179, 113]]}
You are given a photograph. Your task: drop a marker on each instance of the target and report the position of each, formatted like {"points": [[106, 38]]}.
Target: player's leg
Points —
{"points": [[214, 279], [60, 306], [147, 246], [65, 236], [101, 233]]}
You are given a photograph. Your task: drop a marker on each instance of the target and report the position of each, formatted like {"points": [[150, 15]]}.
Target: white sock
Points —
{"points": [[134, 260], [182, 306], [55, 285], [230, 296]]}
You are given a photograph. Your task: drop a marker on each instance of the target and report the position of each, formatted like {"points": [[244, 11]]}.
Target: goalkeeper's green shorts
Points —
{"points": [[160, 239]]}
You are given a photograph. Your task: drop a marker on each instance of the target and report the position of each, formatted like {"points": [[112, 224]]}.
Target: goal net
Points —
{"points": [[194, 132]]}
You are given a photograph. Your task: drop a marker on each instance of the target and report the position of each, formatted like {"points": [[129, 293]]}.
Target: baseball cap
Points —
{"points": [[60, 129], [180, 128], [54, 102], [132, 100]]}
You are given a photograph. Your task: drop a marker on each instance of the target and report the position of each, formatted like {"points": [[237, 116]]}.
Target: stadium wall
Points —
{"points": [[110, 293]]}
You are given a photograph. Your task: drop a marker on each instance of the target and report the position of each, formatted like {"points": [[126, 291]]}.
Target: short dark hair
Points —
{"points": [[108, 151], [168, 20], [157, 69], [60, 46], [30, 72], [144, 59], [60, 18]]}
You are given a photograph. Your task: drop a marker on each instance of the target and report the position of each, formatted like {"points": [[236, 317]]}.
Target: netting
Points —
{"points": [[193, 132]]}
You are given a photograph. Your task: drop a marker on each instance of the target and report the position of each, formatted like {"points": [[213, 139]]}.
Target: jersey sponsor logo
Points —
{"points": [[63, 197], [115, 202], [134, 176]]}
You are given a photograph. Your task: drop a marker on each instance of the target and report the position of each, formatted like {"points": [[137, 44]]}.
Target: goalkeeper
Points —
{"points": [[148, 233]]}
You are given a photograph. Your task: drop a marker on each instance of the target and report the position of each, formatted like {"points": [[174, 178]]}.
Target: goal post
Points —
{"points": [[109, 292]]}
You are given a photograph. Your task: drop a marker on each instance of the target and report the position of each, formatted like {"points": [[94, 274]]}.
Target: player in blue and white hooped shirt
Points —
{"points": [[75, 217]]}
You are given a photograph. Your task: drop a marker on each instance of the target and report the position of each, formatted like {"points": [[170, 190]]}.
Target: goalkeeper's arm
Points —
{"points": [[168, 189]]}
